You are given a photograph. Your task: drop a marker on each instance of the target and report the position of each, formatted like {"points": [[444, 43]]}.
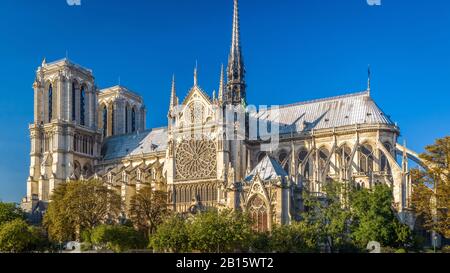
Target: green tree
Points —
{"points": [[9, 212], [431, 188], [375, 219], [78, 206], [330, 218], [117, 238], [148, 209], [220, 231], [172, 236], [16, 236], [299, 237]]}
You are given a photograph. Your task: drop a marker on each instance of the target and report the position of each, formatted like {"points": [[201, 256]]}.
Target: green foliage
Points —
{"points": [[86, 247], [171, 236], [401, 250], [39, 240], [148, 209], [329, 218], [295, 238], [431, 189], [116, 238], [17, 236], [220, 231], [77, 206], [260, 242], [374, 219], [210, 231], [446, 249], [9, 212]]}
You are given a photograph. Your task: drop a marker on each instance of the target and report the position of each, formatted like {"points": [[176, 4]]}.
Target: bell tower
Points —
{"points": [[65, 142]]}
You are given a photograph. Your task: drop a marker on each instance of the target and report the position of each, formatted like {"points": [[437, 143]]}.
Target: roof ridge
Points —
{"points": [[326, 99], [148, 130]]}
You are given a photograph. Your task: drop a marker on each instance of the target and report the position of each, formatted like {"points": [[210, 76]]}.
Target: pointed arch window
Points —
{"points": [[105, 121], [258, 212], [126, 119], [133, 120], [139, 174], [282, 157], [303, 160], [385, 167], [74, 103], [112, 120], [366, 159], [82, 105], [50, 103], [323, 156]]}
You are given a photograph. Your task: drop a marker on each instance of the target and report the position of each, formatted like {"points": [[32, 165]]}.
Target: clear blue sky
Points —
{"points": [[294, 50]]}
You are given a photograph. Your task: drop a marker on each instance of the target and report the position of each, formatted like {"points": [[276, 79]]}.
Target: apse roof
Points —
{"points": [[340, 111]]}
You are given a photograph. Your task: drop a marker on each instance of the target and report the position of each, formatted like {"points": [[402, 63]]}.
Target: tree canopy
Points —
{"points": [[375, 219], [431, 188], [78, 206], [172, 236], [117, 238], [148, 209], [17, 236], [9, 212]]}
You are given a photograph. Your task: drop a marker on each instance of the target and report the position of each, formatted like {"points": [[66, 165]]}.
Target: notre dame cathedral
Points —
{"points": [[83, 132]]}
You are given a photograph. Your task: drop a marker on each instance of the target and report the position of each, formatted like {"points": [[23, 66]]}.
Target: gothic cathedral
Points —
{"points": [[81, 132]]}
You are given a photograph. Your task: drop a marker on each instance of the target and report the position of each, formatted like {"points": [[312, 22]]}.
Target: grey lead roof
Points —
{"points": [[267, 169], [351, 109], [334, 112], [150, 141]]}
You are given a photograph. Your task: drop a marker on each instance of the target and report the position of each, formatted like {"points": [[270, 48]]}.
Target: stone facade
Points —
{"points": [[81, 132]]}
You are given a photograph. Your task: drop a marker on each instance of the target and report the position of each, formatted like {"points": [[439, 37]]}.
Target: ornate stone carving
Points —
{"points": [[196, 159], [197, 112]]}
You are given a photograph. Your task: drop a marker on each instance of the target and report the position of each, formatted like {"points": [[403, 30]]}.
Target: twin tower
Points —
{"points": [[72, 119]]}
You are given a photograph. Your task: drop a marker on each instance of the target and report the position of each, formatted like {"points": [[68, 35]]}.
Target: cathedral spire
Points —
{"points": [[236, 39], [235, 93], [368, 79], [195, 74], [173, 96]]}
